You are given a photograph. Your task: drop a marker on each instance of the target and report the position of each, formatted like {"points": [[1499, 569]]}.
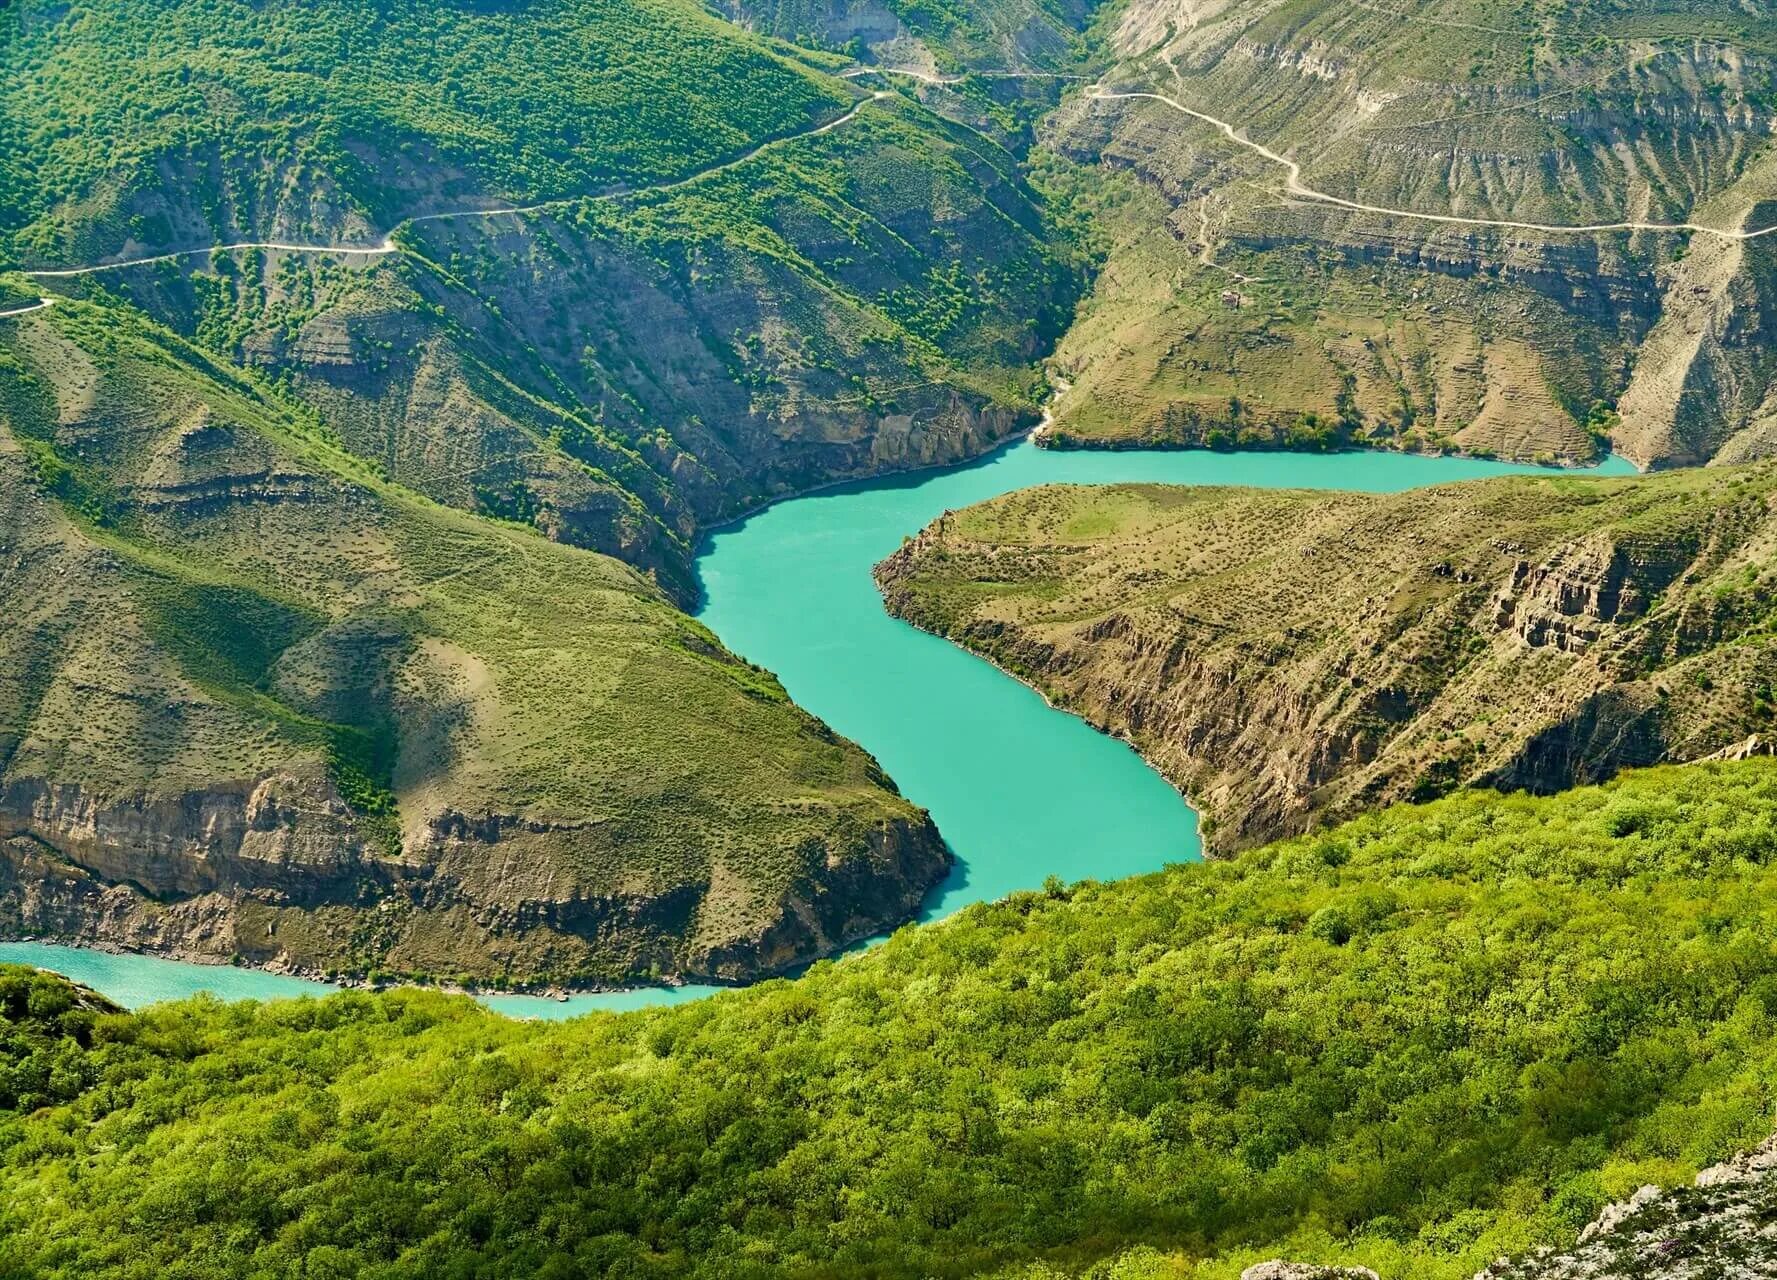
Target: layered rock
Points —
{"points": [[1290, 657], [261, 704], [476, 899], [1404, 108]]}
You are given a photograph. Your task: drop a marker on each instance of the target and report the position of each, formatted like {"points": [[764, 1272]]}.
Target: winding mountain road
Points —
{"points": [[1294, 186], [930, 77], [388, 245]]}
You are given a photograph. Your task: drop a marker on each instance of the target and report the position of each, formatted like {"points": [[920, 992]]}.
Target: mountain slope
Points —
{"points": [[1286, 657], [1418, 1041], [1236, 307], [183, 123], [746, 277], [263, 704], [612, 272]]}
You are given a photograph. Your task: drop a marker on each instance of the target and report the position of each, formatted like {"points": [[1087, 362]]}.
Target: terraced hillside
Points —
{"points": [[1288, 657], [1242, 303], [261, 703]]}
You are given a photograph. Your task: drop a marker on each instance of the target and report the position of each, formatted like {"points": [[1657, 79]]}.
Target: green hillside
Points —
{"points": [[1288, 656], [1417, 1041], [748, 277], [261, 703], [365, 111]]}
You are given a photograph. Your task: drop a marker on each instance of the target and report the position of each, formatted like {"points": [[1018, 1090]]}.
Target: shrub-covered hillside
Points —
{"points": [[1418, 1040], [369, 109], [736, 276]]}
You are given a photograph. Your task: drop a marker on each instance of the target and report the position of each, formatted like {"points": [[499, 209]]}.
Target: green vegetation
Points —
{"points": [[1418, 1040], [47, 1030], [718, 293], [356, 99], [1287, 657], [372, 733]]}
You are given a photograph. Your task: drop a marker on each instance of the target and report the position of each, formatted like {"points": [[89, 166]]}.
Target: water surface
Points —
{"points": [[1021, 791]]}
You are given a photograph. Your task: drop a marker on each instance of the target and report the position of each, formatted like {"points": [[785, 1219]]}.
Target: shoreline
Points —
{"points": [[1116, 735], [559, 992], [551, 991]]}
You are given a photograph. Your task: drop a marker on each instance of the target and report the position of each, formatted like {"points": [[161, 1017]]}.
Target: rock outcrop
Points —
{"points": [[470, 900], [1290, 657], [1724, 1225]]}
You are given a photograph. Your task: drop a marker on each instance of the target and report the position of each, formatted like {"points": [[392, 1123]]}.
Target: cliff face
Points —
{"points": [[1234, 309], [262, 703], [215, 876], [622, 372], [1291, 657]]}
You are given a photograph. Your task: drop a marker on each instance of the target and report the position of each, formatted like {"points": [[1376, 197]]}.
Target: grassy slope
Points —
{"points": [[1404, 334], [217, 595], [869, 298], [1287, 656], [1419, 1040], [1189, 340]]}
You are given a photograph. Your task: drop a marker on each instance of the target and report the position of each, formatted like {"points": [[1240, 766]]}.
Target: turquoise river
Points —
{"points": [[1021, 791]]}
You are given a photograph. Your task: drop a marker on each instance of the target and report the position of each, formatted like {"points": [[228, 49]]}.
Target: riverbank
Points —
{"points": [[1021, 791]]}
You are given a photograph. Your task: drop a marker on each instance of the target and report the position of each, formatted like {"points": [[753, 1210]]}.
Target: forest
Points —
{"points": [[1418, 1040]]}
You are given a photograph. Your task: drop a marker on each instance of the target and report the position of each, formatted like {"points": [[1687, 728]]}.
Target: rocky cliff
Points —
{"points": [[1290, 657], [1236, 308], [623, 373]]}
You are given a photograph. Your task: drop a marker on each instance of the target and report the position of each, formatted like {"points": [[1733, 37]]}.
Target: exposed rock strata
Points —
{"points": [[1638, 126], [1288, 658], [202, 877]]}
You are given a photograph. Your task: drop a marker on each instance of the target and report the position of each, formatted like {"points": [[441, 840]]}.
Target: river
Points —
{"points": [[1021, 791]]}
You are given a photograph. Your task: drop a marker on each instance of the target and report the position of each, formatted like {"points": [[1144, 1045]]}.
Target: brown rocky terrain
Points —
{"points": [[1234, 309], [1289, 657]]}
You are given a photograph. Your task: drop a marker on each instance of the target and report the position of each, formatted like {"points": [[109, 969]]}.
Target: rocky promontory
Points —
{"points": [[1289, 657]]}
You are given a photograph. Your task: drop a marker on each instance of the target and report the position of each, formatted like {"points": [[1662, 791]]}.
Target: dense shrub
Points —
{"points": [[1438, 1032]]}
